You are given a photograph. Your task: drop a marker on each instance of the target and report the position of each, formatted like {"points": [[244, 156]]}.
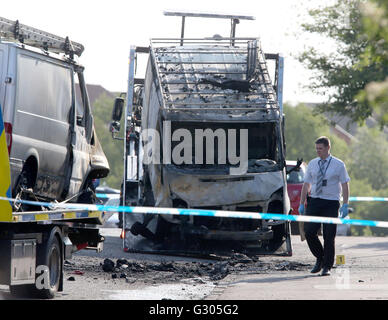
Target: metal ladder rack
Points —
{"points": [[181, 77], [15, 31], [235, 19]]}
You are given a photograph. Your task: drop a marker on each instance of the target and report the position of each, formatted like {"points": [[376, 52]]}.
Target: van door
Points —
{"points": [[41, 131], [79, 142]]}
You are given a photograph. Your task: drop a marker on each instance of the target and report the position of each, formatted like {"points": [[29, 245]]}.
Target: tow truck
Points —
{"points": [[36, 234]]}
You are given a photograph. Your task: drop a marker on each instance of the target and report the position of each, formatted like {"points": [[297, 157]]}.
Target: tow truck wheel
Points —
{"points": [[50, 256], [21, 291]]}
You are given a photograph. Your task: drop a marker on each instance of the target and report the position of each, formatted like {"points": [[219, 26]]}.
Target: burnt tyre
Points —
{"points": [[23, 190], [88, 194], [295, 228]]}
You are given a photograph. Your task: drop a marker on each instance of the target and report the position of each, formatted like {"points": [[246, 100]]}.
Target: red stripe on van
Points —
{"points": [[8, 135]]}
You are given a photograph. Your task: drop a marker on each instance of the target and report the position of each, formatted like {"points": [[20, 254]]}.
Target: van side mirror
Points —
{"points": [[118, 109], [297, 167]]}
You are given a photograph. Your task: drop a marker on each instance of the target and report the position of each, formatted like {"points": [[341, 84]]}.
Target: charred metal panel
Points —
{"points": [[223, 190]]}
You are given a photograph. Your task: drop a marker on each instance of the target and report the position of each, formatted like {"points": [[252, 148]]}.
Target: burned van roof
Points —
{"points": [[214, 77]]}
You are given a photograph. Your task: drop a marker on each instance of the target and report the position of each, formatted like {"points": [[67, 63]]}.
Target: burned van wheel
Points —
{"points": [[163, 229], [295, 228], [88, 194], [23, 183]]}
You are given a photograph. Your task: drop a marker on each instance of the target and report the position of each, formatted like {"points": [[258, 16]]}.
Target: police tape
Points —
{"points": [[351, 199], [200, 212]]}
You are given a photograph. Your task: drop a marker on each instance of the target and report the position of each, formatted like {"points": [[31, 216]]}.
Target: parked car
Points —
{"points": [[295, 180], [108, 196], [105, 193]]}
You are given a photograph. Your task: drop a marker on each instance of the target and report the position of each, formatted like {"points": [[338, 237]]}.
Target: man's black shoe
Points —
{"points": [[317, 267], [325, 271]]}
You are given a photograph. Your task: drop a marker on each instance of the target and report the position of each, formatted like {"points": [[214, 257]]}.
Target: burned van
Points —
{"points": [[206, 131], [53, 148]]}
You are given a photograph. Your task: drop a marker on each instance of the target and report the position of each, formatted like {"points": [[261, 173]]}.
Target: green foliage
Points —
{"points": [[368, 169], [113, 149], [302, 128], [375, 22], [374, 210], [369, 158], [344, 73]]}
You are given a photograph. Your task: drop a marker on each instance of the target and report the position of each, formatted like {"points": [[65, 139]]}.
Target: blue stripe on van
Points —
{"points": [[9, 195], [1, 121]]}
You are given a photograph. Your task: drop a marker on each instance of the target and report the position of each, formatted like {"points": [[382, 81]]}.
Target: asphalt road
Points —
{"points": [[364, 276]]}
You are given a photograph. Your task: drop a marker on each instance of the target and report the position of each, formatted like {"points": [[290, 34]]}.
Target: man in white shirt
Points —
{"points": [[326, 178]]}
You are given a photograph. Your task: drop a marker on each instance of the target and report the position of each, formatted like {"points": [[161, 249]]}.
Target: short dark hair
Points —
{"points": [[323, 140]]}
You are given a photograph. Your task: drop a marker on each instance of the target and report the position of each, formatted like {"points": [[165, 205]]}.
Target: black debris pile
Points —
{"points": [[164, 266], [108, 265], [170, 271], [220, 271], [290, 265], [242, 258]]}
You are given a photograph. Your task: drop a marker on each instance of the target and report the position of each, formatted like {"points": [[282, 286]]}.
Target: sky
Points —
{"points": [[107, 29]]}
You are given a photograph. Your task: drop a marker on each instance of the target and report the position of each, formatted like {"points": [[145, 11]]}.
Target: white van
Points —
{"points": [[53, 149]]}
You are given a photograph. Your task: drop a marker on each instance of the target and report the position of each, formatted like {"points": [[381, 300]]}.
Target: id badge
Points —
{"points": [[324, 183]]}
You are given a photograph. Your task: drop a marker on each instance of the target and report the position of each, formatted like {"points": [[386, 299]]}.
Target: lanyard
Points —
{"points": [[320, 167]]}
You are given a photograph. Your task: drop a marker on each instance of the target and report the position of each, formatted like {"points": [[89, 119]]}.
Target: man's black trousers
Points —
{"points": [[322, 208]]}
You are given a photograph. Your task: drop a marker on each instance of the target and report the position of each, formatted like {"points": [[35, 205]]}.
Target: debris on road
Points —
{"points": [[171, 271], [137, 271], [220, 271], [287, 265], [108, 265], [78, 272]]}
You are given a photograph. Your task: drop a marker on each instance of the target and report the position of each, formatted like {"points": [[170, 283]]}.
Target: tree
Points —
{"points": [[302, 128], [369, 158], [343, 73], [113, 149], [375, 22]]}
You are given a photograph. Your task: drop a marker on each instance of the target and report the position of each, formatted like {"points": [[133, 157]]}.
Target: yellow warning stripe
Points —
{"points": [[41, 217], [55, 216], [5, 174], [70, 215]]}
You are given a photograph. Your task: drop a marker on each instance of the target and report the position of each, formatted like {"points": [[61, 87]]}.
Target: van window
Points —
{"points": [[44, 88], [80, 98], [1, 78], [79, 106]]}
